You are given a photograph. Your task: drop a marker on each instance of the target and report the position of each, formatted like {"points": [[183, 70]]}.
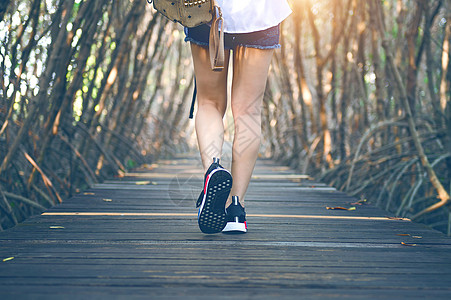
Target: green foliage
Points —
{"points": [[131, 164]]}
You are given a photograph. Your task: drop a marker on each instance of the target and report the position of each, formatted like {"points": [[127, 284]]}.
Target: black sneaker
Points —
{"points": [[217, 184], [236, 218], [213, 166]]}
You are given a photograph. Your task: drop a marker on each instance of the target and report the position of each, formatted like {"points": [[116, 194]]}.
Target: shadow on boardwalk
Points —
{"points": [[137, 237]]}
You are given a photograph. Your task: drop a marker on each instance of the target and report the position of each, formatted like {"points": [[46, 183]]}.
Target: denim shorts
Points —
{"points": [[264, 39]]}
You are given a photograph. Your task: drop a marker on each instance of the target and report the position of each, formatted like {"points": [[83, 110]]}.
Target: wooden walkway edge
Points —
{"points": [[136, 237]]}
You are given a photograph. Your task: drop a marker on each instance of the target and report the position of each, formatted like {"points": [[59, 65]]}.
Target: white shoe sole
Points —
{"points": [[237, 227]]}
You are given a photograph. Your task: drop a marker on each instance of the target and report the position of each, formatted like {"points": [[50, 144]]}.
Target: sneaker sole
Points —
{"points": [[235, 227], [212, 214]]}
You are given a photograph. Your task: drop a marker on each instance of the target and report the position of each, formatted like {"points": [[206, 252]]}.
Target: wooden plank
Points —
{"points": [[121, 239], [261, 176], [284, 216]]}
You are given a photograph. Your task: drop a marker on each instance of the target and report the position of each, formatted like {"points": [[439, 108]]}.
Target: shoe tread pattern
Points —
{"points": [[212, 217]]}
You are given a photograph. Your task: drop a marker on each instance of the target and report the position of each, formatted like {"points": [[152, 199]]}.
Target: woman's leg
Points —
{"points": [[212, 103], [250, 72]]}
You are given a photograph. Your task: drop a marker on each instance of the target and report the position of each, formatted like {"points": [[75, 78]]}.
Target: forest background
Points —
{"points": [[358, 97]]}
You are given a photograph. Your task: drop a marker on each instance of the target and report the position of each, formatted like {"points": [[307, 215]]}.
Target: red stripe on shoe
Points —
{"points": [[206, 182]]}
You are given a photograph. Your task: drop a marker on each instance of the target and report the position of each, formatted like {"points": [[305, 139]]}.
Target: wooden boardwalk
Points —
{"points": [[137, 238]]}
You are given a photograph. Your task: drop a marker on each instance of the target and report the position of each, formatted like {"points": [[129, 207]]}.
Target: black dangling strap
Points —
{"points": [[191, 111]]}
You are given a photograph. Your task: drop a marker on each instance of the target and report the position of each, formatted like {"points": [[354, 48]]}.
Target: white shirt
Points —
{"points": [[241, 16]]}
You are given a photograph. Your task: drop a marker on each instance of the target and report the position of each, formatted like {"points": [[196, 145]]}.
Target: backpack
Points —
{"points": [[191, 13]]}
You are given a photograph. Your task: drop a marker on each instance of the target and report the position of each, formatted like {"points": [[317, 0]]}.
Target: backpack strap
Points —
{"points": [[216, 40], [191, 111]]}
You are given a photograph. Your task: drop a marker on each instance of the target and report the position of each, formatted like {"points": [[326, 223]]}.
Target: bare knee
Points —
{"points": [[250, 107], [218, 105]]}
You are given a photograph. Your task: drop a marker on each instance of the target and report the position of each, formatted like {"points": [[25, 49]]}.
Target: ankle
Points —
{"points": [[231, 200]]}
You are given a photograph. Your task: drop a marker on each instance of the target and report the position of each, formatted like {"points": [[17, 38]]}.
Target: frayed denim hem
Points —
{"points": [[264, 39], [277, 46], [191, 40]]}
